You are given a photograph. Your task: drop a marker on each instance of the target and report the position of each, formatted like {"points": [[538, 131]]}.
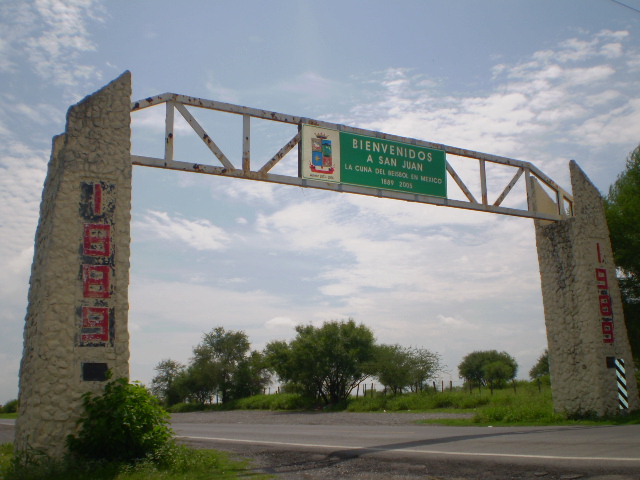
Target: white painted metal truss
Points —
{"points": [[562, 199]]}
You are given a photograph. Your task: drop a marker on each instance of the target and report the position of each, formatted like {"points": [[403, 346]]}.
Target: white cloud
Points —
{"points": [[281, 323], [198, 234], [248, 191], [219, 92], [579, 95], [619, 125], [23, 171], [53, 36]]}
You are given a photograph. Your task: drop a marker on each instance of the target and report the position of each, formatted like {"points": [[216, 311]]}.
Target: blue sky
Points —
{"points": [[541, 81]]}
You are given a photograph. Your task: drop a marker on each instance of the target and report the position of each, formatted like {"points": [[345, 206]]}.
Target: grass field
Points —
{"points": [[186, 464], [528, 404]]}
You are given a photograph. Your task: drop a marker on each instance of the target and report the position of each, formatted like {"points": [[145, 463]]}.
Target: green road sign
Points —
{"points": [[342, 157]]}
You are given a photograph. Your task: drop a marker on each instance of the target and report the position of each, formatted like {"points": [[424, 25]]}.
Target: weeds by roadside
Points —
{"points": [[529, 404], [183, 464]]}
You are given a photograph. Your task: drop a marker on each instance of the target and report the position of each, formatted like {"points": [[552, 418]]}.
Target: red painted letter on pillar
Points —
{"points": [[95, 281]]}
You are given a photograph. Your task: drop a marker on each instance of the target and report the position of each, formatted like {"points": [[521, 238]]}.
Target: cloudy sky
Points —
{"points": [[536, 80]]}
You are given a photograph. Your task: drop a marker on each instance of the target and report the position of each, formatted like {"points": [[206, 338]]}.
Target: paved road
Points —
{"points": [[407, 451], [585, 446]]}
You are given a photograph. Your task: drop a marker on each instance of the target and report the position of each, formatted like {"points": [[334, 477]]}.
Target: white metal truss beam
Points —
{"points": [[564, 200]]}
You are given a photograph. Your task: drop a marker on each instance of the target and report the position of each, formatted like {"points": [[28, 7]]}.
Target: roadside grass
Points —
{"points": [[185, 464], [8, 415], [529, 404], [281, 401]]}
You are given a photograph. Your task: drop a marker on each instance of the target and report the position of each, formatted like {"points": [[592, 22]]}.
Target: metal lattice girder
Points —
{"points": [[563, 200]]}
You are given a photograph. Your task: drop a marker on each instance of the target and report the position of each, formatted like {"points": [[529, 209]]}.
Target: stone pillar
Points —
{"points": [[76, 322], [586, 331]]}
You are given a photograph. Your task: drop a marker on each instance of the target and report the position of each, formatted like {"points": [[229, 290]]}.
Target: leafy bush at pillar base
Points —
{"points": [[124, 424]]}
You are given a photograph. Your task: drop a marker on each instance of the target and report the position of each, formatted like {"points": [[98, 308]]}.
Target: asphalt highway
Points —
{"points": [[543, 446], [407, 451]]}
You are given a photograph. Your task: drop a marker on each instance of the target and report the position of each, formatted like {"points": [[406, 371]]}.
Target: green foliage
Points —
{"points": [[224, 364], [324, 363], [6, 454], [123, 424], [280, 401], [187, 407], [199, 382], [497, 373], [428, 400], [541, 368], [481, 367], [10, 407], [180, 463], [399, 368], [392, 366], [622, 208], [164, 384]]}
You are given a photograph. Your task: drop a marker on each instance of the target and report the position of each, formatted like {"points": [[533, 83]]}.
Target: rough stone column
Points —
{"points": [[586, 331], [76, 322]]}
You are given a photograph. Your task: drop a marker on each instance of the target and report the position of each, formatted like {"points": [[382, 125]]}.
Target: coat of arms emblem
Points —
{"points": [[321, 158]]}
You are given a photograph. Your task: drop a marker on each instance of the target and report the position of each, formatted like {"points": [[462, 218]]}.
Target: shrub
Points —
{"points": [[186, 407], [10, 407], [123, 424], [280, 401]]}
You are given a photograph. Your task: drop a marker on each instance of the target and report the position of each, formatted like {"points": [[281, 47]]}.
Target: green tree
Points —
{"points": [[425, 365], [472, 368], [399, 368], [233, 370], [251, 376], [10, 407], [163, 384], [541, 368], [393, 367], [497, 373], [198, 382], [324, 362], [622, 208]]}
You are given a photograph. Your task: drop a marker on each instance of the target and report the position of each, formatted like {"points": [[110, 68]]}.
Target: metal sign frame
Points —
{"points": [[563, 200]]}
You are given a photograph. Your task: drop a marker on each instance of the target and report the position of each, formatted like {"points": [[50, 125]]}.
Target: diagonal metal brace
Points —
{"points": [[461, 184], [281, 153], [204, 136]]}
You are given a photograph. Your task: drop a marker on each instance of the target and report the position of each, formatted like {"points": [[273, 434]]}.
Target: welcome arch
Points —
{"points": [[76, 323]]}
